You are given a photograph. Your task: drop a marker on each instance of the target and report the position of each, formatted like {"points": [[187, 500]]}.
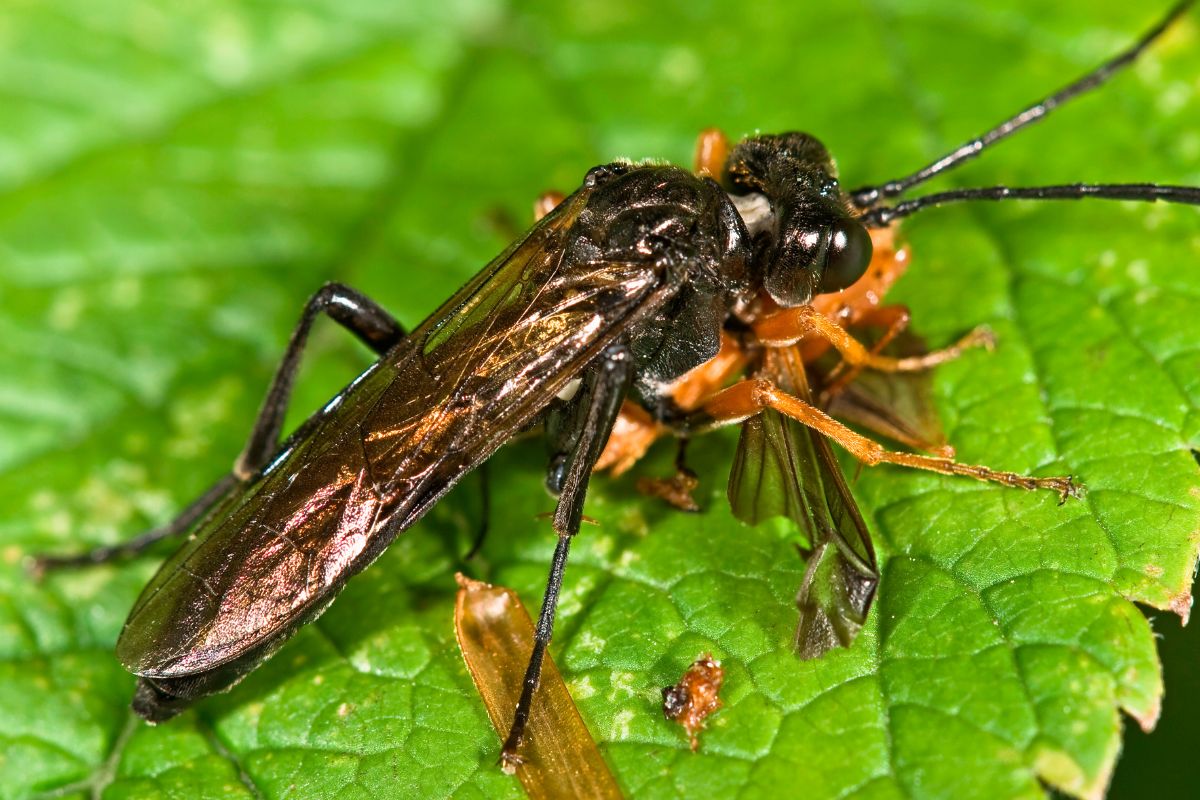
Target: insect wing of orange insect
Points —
{"points": [[782, 468]]}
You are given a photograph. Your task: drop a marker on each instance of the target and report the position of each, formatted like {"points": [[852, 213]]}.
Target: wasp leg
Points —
{"points": [[788, 326], [636, 430], [585, 425], [361, 316], [485, 511], [745, 399], [190, 515], [356, 312], [712, 150]]}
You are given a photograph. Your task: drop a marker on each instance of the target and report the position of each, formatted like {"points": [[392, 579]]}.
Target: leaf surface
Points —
{"points": [[175, 181]]}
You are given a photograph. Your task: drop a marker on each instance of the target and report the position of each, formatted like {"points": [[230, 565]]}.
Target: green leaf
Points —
{"points": [[175, 180]]}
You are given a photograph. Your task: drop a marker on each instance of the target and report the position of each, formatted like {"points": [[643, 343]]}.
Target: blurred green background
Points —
{"points": [[176, 178]]}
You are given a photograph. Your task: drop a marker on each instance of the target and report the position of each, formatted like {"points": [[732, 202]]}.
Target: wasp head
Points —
{"points": [[813, 243]]}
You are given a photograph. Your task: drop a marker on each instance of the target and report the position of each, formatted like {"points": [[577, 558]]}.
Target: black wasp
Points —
{"points": [[646, 282]]}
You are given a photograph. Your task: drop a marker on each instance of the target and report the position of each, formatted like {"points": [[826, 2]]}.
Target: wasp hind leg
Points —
{"points": [[485, 512], [354, 311], [579, 431], [190, 515]]}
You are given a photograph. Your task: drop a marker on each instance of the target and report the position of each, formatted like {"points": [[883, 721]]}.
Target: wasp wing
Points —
{"points": [[479, 369], [783, 468]]}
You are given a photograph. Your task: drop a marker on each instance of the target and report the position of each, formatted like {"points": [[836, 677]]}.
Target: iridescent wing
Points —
{"points": [[783, 468], [479, 369]]}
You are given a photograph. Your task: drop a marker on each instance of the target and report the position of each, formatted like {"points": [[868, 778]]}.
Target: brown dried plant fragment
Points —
{"points": [[559, 757]]}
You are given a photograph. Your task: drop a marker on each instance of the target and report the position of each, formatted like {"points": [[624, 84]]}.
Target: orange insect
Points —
{"points": [[784, 465]]}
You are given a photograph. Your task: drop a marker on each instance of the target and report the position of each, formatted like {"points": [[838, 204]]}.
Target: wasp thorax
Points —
{"points": [[770, 164]]}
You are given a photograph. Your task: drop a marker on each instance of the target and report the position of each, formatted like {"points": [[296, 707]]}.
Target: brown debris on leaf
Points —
{"points": [[676, 490], [691, 700]]}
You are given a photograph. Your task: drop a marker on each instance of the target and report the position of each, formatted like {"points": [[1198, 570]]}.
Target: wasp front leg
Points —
{"points": [[354, 311], [635, 430], [750, 397]]}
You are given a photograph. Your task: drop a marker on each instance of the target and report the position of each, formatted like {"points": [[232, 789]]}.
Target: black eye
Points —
{"points": [[848, 255]]}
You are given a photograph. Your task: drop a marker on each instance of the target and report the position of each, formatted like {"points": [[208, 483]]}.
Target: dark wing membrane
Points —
{"points": [[897, 405], [783, 468], [482, 367]]}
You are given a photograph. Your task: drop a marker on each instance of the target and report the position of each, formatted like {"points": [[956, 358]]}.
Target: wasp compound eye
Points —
{"points": [[847, 256]]}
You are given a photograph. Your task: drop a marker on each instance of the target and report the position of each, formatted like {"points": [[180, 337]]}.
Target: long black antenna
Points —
{"points": [[870, 195], [882, 216]]}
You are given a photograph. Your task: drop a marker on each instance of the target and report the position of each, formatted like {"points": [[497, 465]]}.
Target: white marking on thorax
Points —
{"points": [[568, 392], [755, 211]]}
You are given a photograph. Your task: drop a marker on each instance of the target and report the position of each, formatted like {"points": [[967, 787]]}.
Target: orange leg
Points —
{"points": [[894, 319], [546, 203], [745, 399], [632, 434], [788, 326], [635, 430], [712, 148]]}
